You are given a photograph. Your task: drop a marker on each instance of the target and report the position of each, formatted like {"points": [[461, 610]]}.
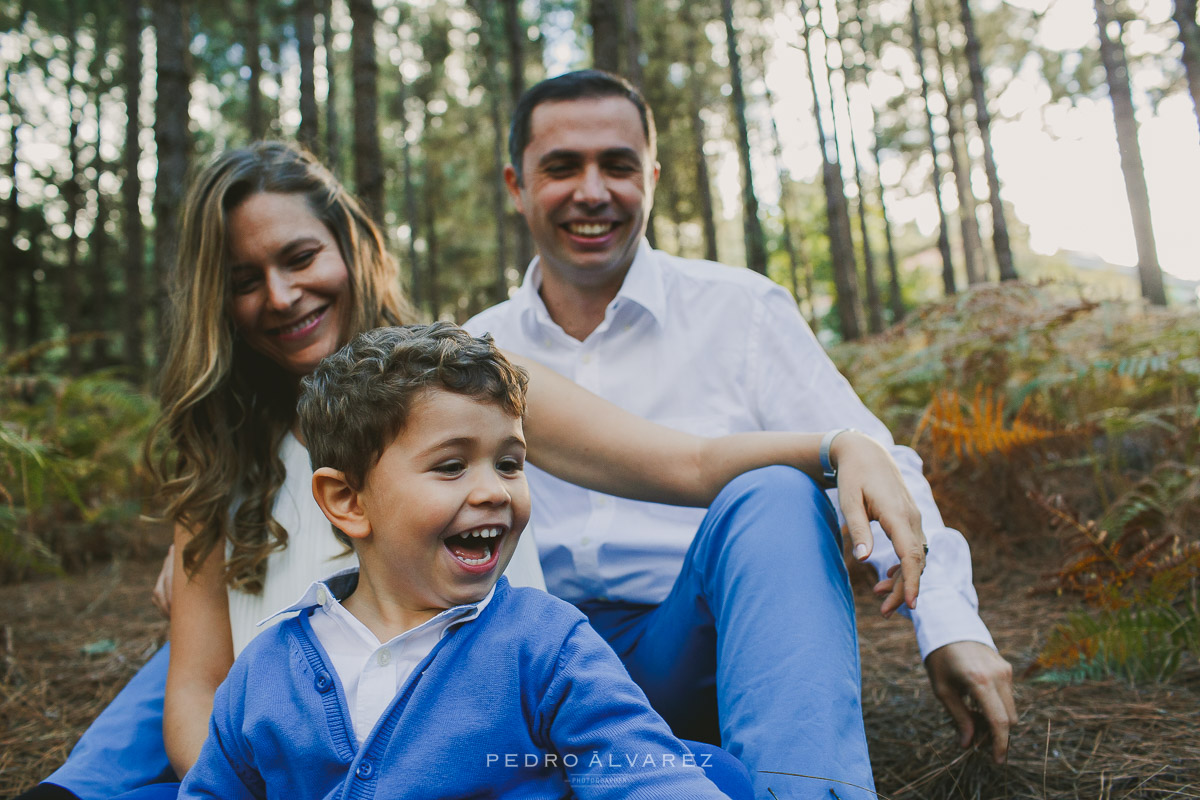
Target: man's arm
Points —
{"points": [[797, 387]]}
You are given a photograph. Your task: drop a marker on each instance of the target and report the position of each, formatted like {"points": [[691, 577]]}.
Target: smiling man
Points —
{"points": [[738, 623]]}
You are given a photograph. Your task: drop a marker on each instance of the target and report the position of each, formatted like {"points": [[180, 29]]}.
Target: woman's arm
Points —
{"points": [[586, 440], [201, 652]]}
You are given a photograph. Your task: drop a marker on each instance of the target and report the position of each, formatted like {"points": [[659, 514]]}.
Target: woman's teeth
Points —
{"points": [[301, 324]]}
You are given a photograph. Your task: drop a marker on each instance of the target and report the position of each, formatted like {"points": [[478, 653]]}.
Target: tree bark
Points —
{"points": [[604, 17], [845, 278], [756, 246], [874, 302], [173, 143], [983, 119], [948, 283], [961, 165], [13, 257], [695, 104], [797, 256], [306, 41], [368, 158], [255, 118], [73, 195], [1184, 14], [491, 69], [333, 145], [98, 303], [631, 38], [1116, 70], [516, 38], [132, 230]]}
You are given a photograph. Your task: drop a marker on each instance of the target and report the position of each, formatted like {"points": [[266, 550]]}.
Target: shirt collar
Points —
{"points": [[330, 592], [643, 285]]}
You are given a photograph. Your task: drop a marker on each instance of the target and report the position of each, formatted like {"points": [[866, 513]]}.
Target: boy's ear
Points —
{"points": [[340, 502]]}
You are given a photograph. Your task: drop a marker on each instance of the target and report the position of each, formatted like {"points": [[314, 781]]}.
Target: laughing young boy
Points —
{"points": [[422, 673]]}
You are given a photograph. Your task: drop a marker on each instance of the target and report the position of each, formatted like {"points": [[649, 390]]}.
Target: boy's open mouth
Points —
{"points": [[476, 547]]}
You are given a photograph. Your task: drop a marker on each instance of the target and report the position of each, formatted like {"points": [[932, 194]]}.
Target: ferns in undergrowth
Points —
{"points": [[70, 469]]}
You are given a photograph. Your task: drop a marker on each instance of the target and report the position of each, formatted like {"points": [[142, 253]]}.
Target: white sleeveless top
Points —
{"points": [[313, 552]]}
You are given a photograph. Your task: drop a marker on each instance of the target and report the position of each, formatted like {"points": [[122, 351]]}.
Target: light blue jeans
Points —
{"points": [[755, 647]]}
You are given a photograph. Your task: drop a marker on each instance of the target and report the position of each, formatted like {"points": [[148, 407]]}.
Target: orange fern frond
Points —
{"points": [[980, 430]]}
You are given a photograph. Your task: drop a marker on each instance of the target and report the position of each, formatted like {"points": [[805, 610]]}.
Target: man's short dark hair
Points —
{"points": [[357, 401], [574, 86]]}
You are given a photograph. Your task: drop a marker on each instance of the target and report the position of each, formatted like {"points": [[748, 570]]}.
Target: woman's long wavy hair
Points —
{"points": [[225, 407]]}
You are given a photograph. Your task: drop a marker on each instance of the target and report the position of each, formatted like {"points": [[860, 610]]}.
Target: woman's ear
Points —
{"points": [[340, 502]]}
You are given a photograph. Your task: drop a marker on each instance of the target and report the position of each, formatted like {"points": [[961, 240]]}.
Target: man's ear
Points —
{"points": [[514, 187], [340, 503]]}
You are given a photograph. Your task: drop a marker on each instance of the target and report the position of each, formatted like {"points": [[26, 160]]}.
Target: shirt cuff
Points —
{"points": [[944, 616]]}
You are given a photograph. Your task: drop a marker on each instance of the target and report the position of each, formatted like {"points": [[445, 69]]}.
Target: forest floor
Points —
{"points": [[70, 643]]}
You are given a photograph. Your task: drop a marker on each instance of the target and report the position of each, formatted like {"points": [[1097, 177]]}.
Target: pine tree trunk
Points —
{"points": [[333, 142], [795, 254], [368, 158], [632, 38], [874, 302], [948, 283], [695, 104], [13, 257], [99, 298], [983, 119], [255, 118], [515, 36], [73, 194], [960, 164], [1116, 70], [306, 41], [1184, 14], [173, 143], [845, 278], [895, 297], [604, 17], [132, 231], [491, 69], [756, 245]]}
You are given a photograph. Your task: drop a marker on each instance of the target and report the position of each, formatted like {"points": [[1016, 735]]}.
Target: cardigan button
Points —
{"points": [[324, 683], [365, 771]]}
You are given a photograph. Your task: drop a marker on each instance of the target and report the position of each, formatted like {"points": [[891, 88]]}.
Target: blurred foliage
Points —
{"points": [[1038, 409], [71, 476]]}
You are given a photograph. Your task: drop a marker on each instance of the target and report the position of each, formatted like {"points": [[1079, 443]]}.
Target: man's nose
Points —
{"points": [[592, 189], [282, 291]]}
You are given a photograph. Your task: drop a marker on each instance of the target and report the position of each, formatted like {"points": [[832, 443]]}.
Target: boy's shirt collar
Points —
{"points": [[329, 592]]}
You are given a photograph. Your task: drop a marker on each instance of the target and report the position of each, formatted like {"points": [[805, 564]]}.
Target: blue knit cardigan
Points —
{"points": [[525, 701]]}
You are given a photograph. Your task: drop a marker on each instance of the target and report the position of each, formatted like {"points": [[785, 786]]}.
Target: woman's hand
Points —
{"points": [[870, 488]]}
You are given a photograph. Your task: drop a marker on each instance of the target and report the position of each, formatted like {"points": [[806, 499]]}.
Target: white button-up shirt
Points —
{"points": [[710, 350], [371, 672]]}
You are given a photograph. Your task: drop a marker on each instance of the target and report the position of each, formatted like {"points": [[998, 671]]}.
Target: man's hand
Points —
{"points": [[972, 669], [870, 488], [162, 587]]}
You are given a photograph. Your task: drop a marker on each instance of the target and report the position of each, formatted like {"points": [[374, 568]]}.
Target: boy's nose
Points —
{"points": [[489, 490]]}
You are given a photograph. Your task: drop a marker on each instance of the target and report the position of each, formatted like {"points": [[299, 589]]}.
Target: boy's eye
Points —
{"points": [[510, 465], [450, 468]]}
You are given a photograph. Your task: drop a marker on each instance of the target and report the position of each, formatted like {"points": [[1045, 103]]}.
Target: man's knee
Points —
{"points": [[787, 486], [774, 506]]}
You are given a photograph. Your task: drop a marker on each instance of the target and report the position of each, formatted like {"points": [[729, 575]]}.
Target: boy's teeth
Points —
{"points": [[483, 559], [483, 533]]}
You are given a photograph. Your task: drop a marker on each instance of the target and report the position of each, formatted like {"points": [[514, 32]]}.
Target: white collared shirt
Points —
{"points": [[371, 672], [710, 350]]}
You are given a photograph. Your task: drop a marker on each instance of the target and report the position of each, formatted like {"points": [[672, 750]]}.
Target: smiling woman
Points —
{"points": [[289, 285]]}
